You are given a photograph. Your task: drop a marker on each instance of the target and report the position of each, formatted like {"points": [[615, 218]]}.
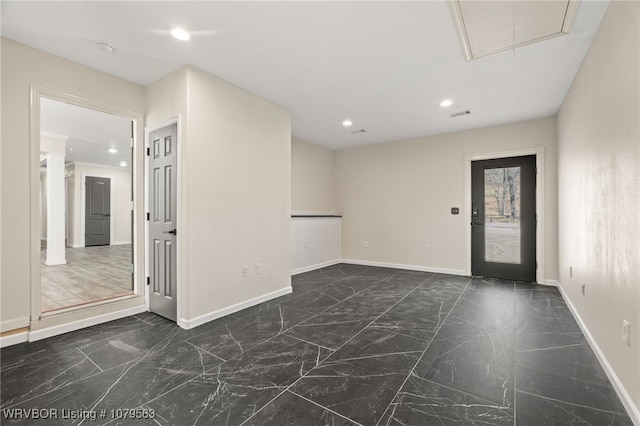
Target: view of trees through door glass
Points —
{"points": [[502, 214]]}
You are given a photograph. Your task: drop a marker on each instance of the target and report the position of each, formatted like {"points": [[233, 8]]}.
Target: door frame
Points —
{"points": [[83, 201], [180, 239], [73, 318], [539, 152]]}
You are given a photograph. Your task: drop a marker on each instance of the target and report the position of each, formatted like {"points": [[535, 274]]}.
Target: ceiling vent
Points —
{"points": [[460, 113], [489, 27], [355, 132]]}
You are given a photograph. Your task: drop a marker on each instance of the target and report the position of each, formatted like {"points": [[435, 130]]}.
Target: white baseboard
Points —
{"points": [[14, 339], [14, 324], [202, 319], [404, 266], [314, 267], [84, 323], [55, 262], [551, 283], [627, 401], [120, 243]]}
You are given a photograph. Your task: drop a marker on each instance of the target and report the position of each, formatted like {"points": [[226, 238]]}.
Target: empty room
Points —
{"points": [[320, 212]]}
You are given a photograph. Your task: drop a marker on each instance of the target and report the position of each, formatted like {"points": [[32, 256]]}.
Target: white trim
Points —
{"points": [[37, 92], [14, 324], [311, 213], [539, 152], [120, 243], [202, 319], [461, 29], [551, 283], [314, 267], [84, 323], [180, 225], [405, 266], [627, 401], [14, 339]]}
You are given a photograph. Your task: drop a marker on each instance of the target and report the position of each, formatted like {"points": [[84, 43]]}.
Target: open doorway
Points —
{"points": [[86, 196]]}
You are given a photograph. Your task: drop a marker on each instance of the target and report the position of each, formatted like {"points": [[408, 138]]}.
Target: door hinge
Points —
{"points": [[148, 280], [148, 216], [148, 151]]}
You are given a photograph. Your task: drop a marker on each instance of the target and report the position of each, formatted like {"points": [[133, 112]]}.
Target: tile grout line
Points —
{"points": [[93, 362], [301, 397], [425, 350], [364, 328], [574, 404], [282, 333]]}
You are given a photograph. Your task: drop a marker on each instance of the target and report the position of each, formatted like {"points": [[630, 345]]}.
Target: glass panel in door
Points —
{"points": [[502, 215]]}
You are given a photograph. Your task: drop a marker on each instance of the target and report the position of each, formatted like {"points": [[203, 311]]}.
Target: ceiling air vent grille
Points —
{"points": [[460, 113], [355, 132]]}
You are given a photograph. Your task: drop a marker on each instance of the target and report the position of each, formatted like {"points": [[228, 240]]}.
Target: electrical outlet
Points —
{"points": [[427, 248], [365, 244], [626, 332], [570, 271], [583, 288], [245, 271], [258, 268]]}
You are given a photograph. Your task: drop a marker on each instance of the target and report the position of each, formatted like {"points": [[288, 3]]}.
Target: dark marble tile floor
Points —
{"points": [[352, 345]]}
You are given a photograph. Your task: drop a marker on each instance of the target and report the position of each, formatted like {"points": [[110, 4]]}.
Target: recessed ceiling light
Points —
{"points": [[180, 34], [113, 150], [347, 123], [106, 47], [446, 103], [123, 164]]}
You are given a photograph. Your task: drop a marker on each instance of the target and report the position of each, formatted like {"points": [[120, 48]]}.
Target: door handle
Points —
{"points": [[474, 217], [172, 232]]}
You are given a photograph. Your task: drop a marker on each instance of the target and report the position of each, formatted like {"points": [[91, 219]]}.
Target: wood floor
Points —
{"points": [[91, 274]]}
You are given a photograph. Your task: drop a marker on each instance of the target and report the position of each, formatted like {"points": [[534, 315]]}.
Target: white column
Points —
{"points": [[55, 210]]}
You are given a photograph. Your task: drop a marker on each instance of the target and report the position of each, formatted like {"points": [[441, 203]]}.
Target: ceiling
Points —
{"points": [[385, 65], [88, 134]]}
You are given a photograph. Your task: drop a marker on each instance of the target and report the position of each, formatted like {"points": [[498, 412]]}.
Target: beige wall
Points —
{"points": [[235, 190], [398, 196], [21, 67], [311, 178], [599, 191]]}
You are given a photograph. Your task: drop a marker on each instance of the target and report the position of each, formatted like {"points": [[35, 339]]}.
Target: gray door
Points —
{"points": [[503, 218], [162, 222], [97, 211]]}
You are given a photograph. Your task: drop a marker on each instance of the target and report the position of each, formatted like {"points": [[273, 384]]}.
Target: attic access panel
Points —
{"points": [[488, 27]]}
